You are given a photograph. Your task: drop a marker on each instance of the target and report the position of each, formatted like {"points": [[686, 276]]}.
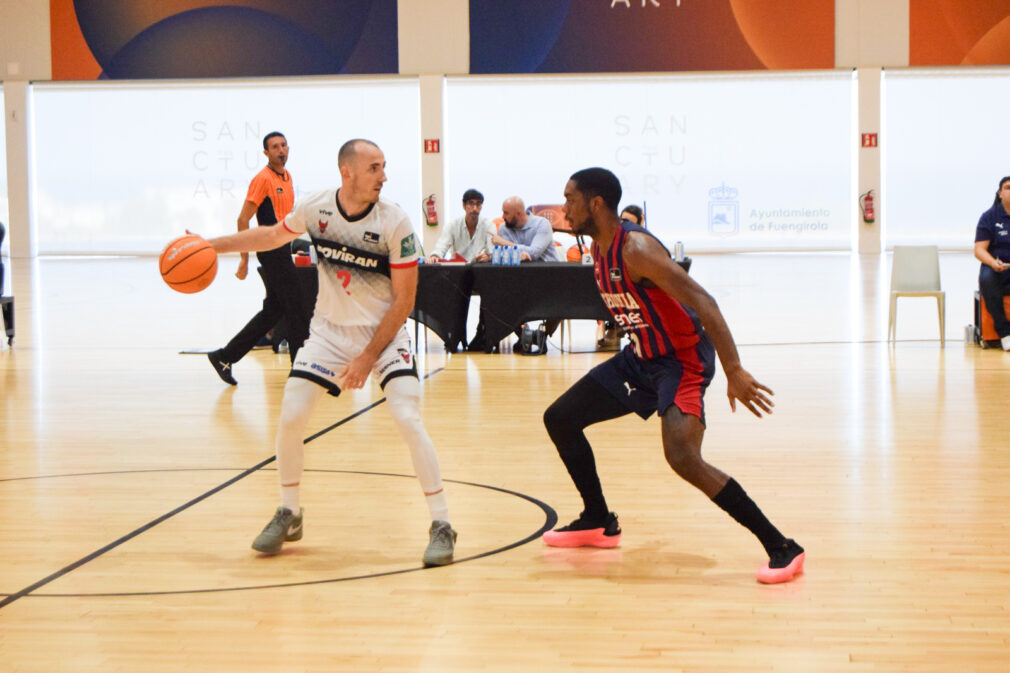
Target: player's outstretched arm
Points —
{"points": [[645, 258], [254, 240]]}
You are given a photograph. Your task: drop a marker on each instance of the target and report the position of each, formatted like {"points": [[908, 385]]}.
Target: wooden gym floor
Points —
{"points": [[132, 482]]}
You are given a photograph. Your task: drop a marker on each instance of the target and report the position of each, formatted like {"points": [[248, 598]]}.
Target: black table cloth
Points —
{"points": [[510, 296]]}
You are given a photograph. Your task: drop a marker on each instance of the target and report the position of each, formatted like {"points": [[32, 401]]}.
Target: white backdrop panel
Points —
{"points": [[945, 152], [4, 210], [125, 167], [722, 162]]}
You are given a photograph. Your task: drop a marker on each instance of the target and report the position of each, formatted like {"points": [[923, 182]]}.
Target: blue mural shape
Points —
{"points": [[559, 36], [514, 36], [310, 37]]}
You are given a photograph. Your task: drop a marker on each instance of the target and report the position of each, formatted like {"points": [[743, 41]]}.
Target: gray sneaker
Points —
{"points": [[441, 544], [285, 527]]}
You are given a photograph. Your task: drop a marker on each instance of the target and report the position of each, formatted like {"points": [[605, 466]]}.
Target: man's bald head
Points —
{"points": [[350, 149], [513, 211]]}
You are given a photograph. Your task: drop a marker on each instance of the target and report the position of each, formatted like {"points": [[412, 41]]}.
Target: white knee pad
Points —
{"points": [[300, 397], [403, 396]]}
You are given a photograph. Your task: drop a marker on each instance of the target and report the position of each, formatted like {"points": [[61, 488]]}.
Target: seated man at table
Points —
{"points": [[468, 236], [532, 234]]}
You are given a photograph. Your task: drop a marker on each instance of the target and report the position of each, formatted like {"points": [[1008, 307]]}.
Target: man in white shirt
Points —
{"points": [[468, 236], [367, 269]]}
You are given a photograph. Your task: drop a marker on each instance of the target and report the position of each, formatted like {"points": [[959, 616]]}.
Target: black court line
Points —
{"points": [[550, 520], [846, 342], [129, 536]]}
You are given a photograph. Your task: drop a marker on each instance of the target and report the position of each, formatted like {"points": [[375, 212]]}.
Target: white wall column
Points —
{"points": [[434, 40], [432, 164], [434, 36], [868, 161], [20, 171]]}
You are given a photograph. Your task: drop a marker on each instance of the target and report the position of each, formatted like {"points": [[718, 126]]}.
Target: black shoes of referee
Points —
{"points": [[222, 368]]}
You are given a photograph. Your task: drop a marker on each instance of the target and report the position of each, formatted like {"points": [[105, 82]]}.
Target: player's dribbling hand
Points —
{"points": [[354, 374], [740, 385]]}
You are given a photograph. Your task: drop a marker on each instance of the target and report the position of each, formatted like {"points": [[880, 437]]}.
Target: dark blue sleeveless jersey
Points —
{"points": [[656, 323]]}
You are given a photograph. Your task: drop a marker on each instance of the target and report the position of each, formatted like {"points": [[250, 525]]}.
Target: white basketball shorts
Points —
{"points": [[330, 347]]}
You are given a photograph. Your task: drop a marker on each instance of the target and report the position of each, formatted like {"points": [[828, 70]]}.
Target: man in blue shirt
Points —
{"points": [[532, 234], [992, 248]]}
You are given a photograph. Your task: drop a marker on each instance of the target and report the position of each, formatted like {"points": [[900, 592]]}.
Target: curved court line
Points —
{"points": [[550, 520], [10, 598]]}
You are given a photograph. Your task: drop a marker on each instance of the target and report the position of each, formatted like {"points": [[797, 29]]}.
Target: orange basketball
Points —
{"points": [[188, 264]]}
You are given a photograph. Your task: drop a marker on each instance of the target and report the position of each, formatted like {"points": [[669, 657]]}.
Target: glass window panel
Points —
{"points": [[944, 153], [721, 162], [125, 167]]}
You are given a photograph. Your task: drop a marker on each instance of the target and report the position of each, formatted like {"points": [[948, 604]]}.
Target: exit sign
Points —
{"points": [[869, 140], [431, 145]]}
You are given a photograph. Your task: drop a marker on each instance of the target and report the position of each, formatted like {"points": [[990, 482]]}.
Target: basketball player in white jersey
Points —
{"points": [[367, 282]]}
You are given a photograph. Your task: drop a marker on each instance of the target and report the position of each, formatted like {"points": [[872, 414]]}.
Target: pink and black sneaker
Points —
{"points": [[583, 533], [785, 563]]}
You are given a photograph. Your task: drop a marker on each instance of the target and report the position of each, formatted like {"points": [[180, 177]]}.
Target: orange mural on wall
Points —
{"points": [[959, 32], [72, 59], [788, 35]]}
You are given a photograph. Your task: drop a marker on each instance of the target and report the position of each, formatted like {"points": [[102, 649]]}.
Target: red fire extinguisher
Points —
{"points": [[866, 206], [430, 213]]}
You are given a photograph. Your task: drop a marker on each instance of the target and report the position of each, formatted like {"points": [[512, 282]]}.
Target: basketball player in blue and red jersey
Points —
{"points": [[673, 324]]}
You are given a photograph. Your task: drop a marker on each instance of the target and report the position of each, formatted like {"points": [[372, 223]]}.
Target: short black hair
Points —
{"points": [[472, 195], [1000, 189], [272, 134], [636, 211], [599, 182], [349, 149]]}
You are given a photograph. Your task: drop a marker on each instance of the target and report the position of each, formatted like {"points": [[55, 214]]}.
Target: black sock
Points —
{"points": [[735, 501]]}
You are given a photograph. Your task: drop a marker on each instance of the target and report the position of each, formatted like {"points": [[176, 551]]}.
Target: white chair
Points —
{"points": [[915, 272]]}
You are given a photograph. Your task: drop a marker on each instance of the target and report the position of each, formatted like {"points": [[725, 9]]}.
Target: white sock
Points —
{"points": [[289, 498], [438, 506], [300, 397], [403, 396], [1005, 342]]}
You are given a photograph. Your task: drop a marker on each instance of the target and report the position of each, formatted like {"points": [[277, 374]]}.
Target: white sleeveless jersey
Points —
{"points": [[354, 255]]}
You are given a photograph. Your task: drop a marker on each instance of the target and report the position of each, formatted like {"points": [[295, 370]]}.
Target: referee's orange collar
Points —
{"points": [[283, 175]]}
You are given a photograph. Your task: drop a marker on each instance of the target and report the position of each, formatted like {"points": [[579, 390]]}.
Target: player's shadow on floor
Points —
{"points": [[644, 564], [341, 561]]}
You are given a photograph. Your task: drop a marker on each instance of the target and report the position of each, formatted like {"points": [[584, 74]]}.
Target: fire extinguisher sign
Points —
{"points": [[431, 146], [869, 140]]}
